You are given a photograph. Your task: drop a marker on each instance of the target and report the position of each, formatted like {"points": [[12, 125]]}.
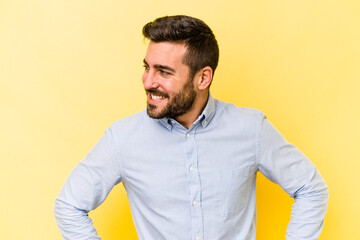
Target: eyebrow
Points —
{"points": [[159, 66]]}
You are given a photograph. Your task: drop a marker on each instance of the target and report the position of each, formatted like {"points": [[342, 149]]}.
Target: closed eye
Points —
{"points": [[164, 72]]}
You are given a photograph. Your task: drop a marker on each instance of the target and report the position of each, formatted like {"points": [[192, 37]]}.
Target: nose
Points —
{"points": [[149, 80]]}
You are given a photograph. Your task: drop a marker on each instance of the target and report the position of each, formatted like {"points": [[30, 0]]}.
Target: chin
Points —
{"points": [[153, 111]]}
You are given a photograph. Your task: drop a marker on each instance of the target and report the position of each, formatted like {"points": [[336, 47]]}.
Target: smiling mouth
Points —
{"points": [[156, 95], [156, 98]]}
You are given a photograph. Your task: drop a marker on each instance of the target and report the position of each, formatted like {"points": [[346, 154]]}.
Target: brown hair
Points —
{"points": [[202, 47]]}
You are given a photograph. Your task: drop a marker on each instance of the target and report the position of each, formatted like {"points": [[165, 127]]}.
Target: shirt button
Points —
{"points": [[168, 126], [197, 238], [172, 121], [188, 135], [191, 168], [195, 203], [205, 122]]}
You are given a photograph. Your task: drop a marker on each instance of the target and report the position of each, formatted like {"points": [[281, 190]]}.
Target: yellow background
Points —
{"points": [[68, 69]]}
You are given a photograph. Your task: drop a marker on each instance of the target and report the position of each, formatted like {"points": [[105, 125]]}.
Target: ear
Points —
{"points": [[204, 78]]}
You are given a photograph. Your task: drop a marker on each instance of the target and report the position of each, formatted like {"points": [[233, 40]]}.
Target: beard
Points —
{"points": [[177, 105]]}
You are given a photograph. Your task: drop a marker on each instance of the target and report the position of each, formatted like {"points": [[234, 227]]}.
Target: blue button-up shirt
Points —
{"points": [[196, 183]]}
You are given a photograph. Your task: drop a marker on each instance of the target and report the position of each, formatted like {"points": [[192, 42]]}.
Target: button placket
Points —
{"points": [[190, 148]]}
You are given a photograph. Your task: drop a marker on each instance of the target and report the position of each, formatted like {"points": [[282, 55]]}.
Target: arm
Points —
{"points": [[86, 188], [282, 163]]}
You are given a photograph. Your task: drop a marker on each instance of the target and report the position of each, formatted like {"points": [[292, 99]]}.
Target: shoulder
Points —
{"points": [[128, 123], [236, 112]]}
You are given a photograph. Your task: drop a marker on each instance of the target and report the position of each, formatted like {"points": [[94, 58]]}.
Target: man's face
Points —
{"points": [[170, 92]]}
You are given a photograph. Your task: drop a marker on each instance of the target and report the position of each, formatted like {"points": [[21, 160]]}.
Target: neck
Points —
{"points": [[188, 118]]}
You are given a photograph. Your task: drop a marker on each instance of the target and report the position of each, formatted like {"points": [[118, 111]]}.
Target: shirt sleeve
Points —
{"points": [[282, 163], [86, 188]]}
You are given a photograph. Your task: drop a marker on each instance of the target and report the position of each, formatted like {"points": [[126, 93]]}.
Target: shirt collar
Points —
{"points": [[208, 112], [204, 118]]}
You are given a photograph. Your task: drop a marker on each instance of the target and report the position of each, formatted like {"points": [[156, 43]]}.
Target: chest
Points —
{"points": [[182, 169]]}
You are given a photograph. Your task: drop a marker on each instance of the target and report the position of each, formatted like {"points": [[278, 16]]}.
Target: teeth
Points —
{"points": [[156, 97]]}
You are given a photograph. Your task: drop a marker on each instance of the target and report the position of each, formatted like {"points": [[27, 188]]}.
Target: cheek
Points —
{"points": [[170, 88]]}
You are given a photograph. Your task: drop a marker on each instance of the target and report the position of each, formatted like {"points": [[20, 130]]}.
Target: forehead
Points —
{"points": [[165, 53]]}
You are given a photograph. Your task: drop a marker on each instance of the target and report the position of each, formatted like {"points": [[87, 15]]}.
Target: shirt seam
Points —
{"points": [[258, 140], [117, 156]]}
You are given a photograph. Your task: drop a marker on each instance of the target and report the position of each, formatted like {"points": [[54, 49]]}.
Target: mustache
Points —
{"points": [[157, 92]]}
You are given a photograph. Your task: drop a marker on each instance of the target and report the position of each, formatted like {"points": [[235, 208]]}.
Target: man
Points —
{"points": [[189, 162]]}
